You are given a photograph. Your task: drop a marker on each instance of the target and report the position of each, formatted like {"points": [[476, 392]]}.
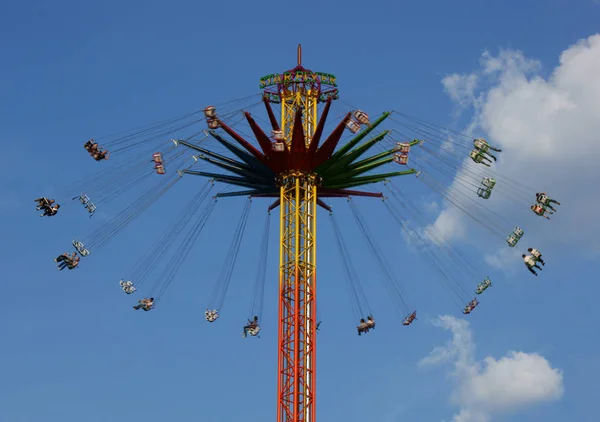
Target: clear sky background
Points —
{"points": [[71, 349]]}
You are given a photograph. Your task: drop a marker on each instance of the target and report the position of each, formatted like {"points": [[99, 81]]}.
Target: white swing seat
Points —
{"points": [[127, 286], [254, 331], [84, 199], [80, 248], [211, 315]]}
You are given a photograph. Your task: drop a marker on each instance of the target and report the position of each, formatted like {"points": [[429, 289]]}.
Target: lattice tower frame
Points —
{"points": [[297, 270]]}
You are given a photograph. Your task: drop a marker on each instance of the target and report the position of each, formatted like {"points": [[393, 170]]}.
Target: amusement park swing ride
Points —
{"points": [[298, 164]]}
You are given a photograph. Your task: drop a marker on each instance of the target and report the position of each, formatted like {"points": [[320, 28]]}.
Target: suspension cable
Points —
{"points": [[392, 284], [261, 273], [222, 285], [108, 231], [358, 298], [148, 263], [181, 254]]}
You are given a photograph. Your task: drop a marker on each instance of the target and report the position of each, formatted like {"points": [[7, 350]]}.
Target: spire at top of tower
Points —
{"points": [[299, 54]]}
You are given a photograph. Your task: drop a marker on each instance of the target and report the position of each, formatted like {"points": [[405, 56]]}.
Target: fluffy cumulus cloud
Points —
{"points": [[548, 128], [492, 386]]}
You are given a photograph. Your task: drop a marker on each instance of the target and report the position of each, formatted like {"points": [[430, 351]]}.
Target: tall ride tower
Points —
{"points": [[299, 165], [297, 89]]}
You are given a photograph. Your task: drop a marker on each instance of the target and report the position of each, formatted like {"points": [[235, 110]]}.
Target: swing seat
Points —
{"points": [[476, 156], [543, 200], [482, 287], [129, 289], [160, 169], [80, 248], [484, 193], [277, 135], [211, 315], [489, 182], [481, 144], [515, 236], [210, 112], [278, 146], [401, 159], [353, 126], [254, 331], [127, 286], [409, 319], [361, 117], [212, 123], [403, 147], [84, 199], [90, 207]]}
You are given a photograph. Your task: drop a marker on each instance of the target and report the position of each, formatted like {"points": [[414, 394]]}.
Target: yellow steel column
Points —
{"points": [[297, 279]]}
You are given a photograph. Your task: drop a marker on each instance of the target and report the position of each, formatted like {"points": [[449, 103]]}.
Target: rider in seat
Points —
{"points": [[469, 308], [536, 255], [68, 261], [541, 210], [251, 326], [370, 323], [145, 304], [43, 203], [95, 151], [481, 145], [479, 157], [363, 327], [46, 205], [409, 319], [101, 155], [545, 201], [50, 211], [531, 264], [74, 263]]}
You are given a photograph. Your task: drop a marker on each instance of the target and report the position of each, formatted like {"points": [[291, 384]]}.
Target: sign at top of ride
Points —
{"points": [[321, 85], [298, 76]]}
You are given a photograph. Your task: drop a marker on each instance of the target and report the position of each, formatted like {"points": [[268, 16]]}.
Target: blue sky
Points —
{"points": [[70, 347]]}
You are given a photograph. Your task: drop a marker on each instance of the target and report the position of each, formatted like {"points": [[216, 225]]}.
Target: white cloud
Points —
{"points": [[505, 259], [431, 206], [461, 88], [493, 386], [549, 131]]}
